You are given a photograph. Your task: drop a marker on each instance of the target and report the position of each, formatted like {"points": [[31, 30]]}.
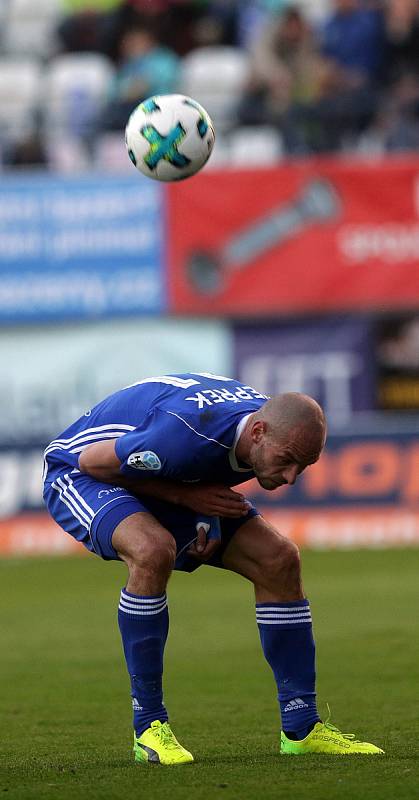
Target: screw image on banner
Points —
{"points": [[317, 203]]}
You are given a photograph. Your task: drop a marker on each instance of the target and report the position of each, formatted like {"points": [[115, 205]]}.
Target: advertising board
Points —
{"points": [[329, 359], [83, 247], [314, 235], [364, 492]]}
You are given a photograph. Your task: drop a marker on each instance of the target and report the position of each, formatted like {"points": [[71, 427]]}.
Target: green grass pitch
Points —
{"points": [[65, 719]]}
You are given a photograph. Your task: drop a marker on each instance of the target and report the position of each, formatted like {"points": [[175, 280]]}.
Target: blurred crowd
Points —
{"points": [[325, 76]]}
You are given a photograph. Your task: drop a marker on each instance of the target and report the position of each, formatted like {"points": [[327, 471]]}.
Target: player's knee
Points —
{"points": [[283, 564], [291, 559], [152, 557]]}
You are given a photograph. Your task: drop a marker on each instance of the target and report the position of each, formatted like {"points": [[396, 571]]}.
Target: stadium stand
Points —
{"points": [[20, 88], [268, 65], [217, 76], [76, 86], [29, 27], [261, 145]]}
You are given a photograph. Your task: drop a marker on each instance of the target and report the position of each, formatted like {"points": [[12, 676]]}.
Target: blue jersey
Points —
{"points": [[183, 427]]}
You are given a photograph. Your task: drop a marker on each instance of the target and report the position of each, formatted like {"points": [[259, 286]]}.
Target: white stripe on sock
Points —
{"points": [[281, 621], [282, 609], [141, 613], [280, 616], [140, 600], [142, 608]]}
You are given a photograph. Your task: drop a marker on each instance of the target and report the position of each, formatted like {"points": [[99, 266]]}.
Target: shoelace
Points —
{"points": [[166, 736], [334, 729]]}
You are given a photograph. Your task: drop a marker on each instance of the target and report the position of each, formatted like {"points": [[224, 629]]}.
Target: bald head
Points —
{"points": [[291, 412], [282, 438]]}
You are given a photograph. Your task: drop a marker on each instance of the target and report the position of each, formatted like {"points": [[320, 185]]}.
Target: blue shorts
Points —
{"points": [[90, 511]]}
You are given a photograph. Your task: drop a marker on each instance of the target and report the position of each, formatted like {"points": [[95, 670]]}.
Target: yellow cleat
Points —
{"points": [[325, 739], [158, 745]]}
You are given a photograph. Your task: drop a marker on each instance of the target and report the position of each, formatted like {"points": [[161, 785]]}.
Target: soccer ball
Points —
{"points": [[169, 137]]}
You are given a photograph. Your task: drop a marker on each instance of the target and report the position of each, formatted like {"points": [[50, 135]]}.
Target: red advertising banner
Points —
{"points": [[346, 529], [35, 534], [311, 236], [340, 528]]}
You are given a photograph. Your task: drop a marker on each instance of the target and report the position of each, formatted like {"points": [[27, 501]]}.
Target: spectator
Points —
{"points": [[286, 59], [402, 39], [287, 71], [146, 68], [173, 22], [252, 16], [353, 47], [80, 30], [353, 39], [26, 152], [80, 33], [396, 126]]}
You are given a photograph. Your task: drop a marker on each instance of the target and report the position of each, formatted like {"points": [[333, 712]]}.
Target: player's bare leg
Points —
{"points": [[149, 551], [268, 559]]}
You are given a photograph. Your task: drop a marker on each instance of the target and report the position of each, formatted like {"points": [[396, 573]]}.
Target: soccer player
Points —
{"points": [[145, 476]]}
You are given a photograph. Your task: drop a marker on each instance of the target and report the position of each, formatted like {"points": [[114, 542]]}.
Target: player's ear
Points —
{"points": [[258, 430]]}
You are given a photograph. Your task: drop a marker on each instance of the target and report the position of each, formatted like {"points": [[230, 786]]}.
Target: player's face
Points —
{"points": [[276, 463]]}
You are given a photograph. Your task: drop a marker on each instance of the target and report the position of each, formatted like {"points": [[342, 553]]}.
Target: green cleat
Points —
{"points": [[158, 745], [325, 739]]}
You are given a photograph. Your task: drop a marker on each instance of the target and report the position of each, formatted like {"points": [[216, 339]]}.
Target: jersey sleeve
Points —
{"points": [[163, 445]]}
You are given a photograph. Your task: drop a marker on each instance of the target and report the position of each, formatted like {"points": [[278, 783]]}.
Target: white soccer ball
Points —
{"points": [[169, 137]]}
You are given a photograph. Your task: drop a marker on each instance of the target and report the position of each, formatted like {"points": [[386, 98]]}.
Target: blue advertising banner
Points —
{"points": [[355, 470], [90, 246], [329, 359], [363, 492]]}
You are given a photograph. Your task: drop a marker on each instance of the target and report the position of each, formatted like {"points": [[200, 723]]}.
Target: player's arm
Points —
{"points": [[101, 462]]}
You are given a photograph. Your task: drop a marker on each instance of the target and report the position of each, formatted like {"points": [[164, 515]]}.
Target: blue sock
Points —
{"points": [[144, 624], [288, 645]]}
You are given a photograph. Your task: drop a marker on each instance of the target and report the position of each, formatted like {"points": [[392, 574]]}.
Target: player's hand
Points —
{"points": [[214, 500], [203, 546]]}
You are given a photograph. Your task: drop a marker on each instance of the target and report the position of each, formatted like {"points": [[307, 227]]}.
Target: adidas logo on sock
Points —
{"points": [[135, 704], [294, 705]]}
